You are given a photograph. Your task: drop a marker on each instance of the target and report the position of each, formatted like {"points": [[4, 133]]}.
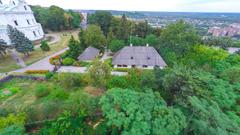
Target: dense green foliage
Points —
{"points": [[197, 94], [44, 46], [94, 37], [116, 45], [56, 18], [21, 43], [141, 113], [3, 47]]}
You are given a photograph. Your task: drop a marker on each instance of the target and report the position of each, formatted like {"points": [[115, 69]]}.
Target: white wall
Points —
{"points": [[21, 15]]}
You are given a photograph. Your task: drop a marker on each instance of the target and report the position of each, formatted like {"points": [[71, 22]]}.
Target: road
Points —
{"points": [[40, 65]]}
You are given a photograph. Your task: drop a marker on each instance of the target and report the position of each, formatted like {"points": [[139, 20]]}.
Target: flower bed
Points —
{"points": [[36, 71]]}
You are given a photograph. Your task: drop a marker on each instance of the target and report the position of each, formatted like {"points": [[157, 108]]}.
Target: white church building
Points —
{"points": [[19, 15]]}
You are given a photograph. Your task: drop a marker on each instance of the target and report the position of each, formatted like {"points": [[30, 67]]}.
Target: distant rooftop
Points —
{"points": [[89, 54]]}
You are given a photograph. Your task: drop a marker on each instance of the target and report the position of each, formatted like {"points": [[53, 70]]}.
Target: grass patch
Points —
{"points": [[42, 100]]}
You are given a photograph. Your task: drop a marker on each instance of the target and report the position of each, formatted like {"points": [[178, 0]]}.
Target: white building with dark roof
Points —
{"points": [[19, 15], [138, 56]]}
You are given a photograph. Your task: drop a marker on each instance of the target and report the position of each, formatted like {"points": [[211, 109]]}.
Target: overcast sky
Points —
{"points": [[146, 5]]}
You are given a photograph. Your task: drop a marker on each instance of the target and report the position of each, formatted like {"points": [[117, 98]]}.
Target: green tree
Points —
{"points": [[222, 42], [116, 45], [44, 46], [76, 21], [142, 29], [124, 32], [41, 14], [99, 73], [21, 43], [140, 113], [102, 19], [3, 47], [148, 80], [110, 37], [55, 20], [152, 40], [179, 37], [75, 48], [207, 118], [94, 37]]}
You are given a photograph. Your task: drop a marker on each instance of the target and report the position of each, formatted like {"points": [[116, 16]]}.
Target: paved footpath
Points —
{"points": [[40, 65]]}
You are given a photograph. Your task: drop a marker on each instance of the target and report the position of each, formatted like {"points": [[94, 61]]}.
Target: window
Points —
{"points": [[39, 32], [25, 7], [34, 33], [125, 66], [133, 66], [119, 65], [145, 66], [14, 3], [28, 22], [131, 57], [1, 2], [16, 23], [148, 58]]}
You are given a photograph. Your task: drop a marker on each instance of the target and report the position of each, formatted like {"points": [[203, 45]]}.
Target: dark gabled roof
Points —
{"points": [[139, 56], [88, 54]]}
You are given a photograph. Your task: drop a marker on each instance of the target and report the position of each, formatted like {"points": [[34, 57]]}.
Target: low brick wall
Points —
{"points": [[10, 77]]}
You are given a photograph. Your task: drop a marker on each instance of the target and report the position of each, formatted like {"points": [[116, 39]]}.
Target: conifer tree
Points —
{"points": [[21, 43], [3, 47]]}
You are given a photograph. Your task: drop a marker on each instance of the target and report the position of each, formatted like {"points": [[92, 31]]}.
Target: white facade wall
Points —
{"points": [[21, 17], [140, 67]]}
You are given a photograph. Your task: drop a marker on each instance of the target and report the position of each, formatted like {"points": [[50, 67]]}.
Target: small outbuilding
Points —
{"points": [[89, 54], [138, 56]]}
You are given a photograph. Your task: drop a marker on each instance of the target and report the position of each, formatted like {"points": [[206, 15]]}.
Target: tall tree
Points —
{"points": [[99, 73], [56, 18], [93, 36], [123, 33], [142, 29], [102, 19], [179, 37], [3, 47], [141, 113], [75, 48], [21, 43]]}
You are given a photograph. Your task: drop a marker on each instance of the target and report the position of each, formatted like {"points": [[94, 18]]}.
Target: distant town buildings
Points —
{"points": [[19, 15], [229, 31]]}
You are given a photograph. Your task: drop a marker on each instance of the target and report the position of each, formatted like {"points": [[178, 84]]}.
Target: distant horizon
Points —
{"points": [[195, 6]]}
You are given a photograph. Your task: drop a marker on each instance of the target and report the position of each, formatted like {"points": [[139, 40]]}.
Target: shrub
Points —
{"points": [[59, 94], [55, 60], [36, 71], [81, 64], [44, 46], [68, 61], [117, 82], [69, 80], [41, 91], [122, 69], [49, 75], [12, 119]]}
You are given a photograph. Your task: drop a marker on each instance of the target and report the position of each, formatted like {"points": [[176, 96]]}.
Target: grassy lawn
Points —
{"points": [[31, 97], [8, 64]]}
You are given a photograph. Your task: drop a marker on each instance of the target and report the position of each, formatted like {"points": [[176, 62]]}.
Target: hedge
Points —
{"points": [[36, 71]]}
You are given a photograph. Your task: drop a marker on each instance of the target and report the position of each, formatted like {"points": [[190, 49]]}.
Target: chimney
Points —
{"points": [[147, 45], [131, 45]]}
